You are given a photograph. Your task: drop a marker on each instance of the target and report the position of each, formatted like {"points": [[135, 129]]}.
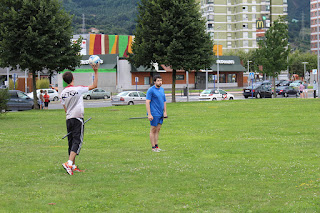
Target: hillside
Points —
{"points": [[118, 17], [109, 16], [299, 32]]}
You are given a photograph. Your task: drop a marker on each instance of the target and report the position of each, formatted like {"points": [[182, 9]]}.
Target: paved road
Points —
{"points": [[179, 98]]}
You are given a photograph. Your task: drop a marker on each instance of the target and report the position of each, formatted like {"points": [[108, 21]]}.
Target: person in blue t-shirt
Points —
{"points": [[156, 109]]}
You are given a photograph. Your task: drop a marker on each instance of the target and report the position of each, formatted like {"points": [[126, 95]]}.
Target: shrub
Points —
{"points": [[4, 96], [43, 83]]}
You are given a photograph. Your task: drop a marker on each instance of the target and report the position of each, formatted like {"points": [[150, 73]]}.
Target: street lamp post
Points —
{"points": [[251, 78], [304, 67]]}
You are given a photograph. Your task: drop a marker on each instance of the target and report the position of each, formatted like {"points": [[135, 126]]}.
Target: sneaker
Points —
{"points": [[76, 169], [155, 150], [67, 168], [159, 149]]}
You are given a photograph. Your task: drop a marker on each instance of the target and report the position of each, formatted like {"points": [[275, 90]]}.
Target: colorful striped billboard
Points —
{"points": [[101, 44]]}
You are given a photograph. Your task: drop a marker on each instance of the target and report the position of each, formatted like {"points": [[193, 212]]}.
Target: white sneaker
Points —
{"points": [[155, 150], [159, 149]]}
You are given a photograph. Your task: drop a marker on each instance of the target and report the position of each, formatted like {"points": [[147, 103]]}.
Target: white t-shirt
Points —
{"points": [[71, 97]]}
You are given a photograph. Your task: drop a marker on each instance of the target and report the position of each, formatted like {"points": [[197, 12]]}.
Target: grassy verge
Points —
{"points": [[227, 156]]}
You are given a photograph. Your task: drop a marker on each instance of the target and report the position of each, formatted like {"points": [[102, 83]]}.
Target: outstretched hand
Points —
{"points": [[95, 67]]}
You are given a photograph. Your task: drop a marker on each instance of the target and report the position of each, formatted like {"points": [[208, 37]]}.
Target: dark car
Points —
{"points": [[286, 91], [19, 101], [279, 82], [285, 83], [259, 91]]}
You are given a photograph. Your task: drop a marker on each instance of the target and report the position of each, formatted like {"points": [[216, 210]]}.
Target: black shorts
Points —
{"points": [[46, 104], [75, 139]]}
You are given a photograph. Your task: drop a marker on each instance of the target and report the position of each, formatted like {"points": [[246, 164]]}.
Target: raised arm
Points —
{"points": [[95, 81]]}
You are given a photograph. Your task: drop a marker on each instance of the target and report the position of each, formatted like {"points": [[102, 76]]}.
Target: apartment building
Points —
{"points": [[239, 24], [314, 24]]}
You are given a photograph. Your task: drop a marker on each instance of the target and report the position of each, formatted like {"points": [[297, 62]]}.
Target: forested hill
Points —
{"points": [[299, 24], [119, 16], [109, 16]]}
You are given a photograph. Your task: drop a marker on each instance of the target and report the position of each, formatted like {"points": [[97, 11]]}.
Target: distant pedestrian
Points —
{"points": [[305, 90], [301, 88], [46, 99], [41, 99]]}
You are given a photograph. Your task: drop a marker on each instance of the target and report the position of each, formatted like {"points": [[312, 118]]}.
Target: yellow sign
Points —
{"points": [[215, 50], [260, 24]]}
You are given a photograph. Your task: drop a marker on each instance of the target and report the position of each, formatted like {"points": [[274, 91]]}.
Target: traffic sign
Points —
{"points": [[314, 71], [251, 75]]}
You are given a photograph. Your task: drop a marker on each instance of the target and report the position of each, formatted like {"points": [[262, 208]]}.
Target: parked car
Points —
{"points": [[279, 82], [266, 83], [285, 83], [54, 95], [96, 94], [259, 91], [19, 101], [296, 83], [215, 94], [129, 98], [286, 91]]}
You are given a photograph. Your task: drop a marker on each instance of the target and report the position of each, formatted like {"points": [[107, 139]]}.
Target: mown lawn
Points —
{"points": [[226, 156]]}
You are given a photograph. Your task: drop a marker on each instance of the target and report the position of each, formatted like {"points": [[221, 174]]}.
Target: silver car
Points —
{"points": [[96, 94], [129, 98]]}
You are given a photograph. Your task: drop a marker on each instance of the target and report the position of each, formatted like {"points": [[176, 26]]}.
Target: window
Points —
{"points": [[229, 26], [142, 94], [228, 18], [146, 80], [245, 43], [254, 8], [229, 44], [210, 17], [229, 34], [134, 94], [245, 9], [232, 78], [245, 34], [210, 9], [245, 17], [210, 26], [212, 78], [222, 78], [245, 26], [179, 77], [253, 17]]}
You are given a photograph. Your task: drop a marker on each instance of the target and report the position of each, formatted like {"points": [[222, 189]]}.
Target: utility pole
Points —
{"points": [[83, 25]]}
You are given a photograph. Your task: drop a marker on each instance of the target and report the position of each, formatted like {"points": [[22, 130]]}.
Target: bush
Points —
{"points": [[4, 96], [43, 83], [11, 87]]}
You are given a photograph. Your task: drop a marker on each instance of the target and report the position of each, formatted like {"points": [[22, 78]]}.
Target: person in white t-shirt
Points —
{"points": [[72, 101]]}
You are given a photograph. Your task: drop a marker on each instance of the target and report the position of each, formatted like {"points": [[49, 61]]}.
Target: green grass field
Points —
{"points": [[226, 156]]}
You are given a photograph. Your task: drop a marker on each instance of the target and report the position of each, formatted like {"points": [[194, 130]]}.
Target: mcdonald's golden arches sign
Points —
{"points": [[260, 24]]}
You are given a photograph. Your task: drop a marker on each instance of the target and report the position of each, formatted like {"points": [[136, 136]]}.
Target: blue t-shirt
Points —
{"points": [[157, 99]]}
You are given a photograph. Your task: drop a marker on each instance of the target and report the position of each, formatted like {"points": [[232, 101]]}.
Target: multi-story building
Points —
{"points": [[314, 24], [239, 24]]}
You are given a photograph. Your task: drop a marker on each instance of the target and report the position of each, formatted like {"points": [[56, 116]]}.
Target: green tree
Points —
{"points": [[4, 97], [273, 51], [171, 32], [244, 58], [35, 35], [295, 62]]}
